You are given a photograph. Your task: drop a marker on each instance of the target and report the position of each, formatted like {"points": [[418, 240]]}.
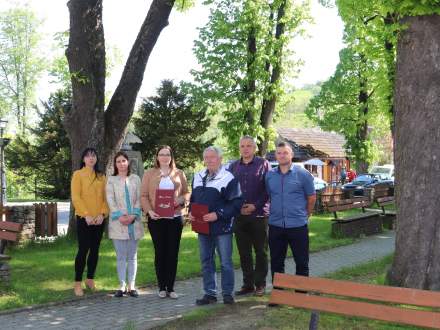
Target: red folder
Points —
{"points": [[198, 224], [164, 203]]}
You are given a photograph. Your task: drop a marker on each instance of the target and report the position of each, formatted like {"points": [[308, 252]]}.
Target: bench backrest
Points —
{"points": [[9, 230], [347, 204], [344, 289]]}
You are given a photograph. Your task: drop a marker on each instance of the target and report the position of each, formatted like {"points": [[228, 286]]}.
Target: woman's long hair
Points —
{"points": [[172, 162], [91, 151], [115, 168]]}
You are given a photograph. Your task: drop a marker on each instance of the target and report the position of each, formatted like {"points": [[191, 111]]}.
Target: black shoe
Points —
{"points": [[272, 305], [244, 290], [206, 300], [133, 293], [119, 293], [228, 299]]}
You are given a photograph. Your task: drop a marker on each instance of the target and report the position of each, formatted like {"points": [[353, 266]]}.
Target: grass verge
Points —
{"points": [[43, 272]]}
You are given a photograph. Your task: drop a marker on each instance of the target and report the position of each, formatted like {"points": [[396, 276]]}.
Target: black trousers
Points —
{"points": [[298, 240], [251, 234], [166, 234], [89, 239]]}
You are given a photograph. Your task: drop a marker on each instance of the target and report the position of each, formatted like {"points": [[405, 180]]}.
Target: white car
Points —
{"points": [[384, 172]]}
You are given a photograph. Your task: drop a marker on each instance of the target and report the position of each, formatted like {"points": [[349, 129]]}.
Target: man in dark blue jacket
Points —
{"points": [[220, 191]]}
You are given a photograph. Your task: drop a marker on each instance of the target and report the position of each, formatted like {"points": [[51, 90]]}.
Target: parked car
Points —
{"points": [[358, 185], [319, 183], [385, 172]]}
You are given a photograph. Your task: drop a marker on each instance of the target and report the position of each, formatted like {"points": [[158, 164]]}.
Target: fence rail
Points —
{"points": [[46, 219]]}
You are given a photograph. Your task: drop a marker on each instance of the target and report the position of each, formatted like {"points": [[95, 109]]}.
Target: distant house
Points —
{"points": [[313, 143]]}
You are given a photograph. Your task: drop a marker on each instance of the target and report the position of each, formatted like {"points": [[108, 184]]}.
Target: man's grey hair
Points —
{"points": [[248, 137], [217, 150]]}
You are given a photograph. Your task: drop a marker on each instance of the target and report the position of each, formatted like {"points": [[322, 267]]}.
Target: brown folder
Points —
{"points": [[164, 203], [198, 224]]}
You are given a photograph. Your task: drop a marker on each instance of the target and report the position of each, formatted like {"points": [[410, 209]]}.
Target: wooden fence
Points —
{"points": [[46, 219], [4, 211]]}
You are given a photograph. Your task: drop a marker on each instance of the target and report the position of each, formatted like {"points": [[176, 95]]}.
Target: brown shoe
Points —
{"points": [[90, 283], [260, 291], [77, 289], [244, 290]]}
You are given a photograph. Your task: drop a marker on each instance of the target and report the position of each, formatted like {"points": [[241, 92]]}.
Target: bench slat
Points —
{"points": [[9, 236], [378, 194], [348, 201], [358, 216], [4, 257], [348, 206], [359, 290], [386, 203], [385, 199], [10, 226], [354, 308]]}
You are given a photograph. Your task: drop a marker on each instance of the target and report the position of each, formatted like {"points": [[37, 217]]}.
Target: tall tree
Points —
{"points": [[169, 119], [20, 61], [88, 123], [417, 137], [243, 53], [346, 105]]}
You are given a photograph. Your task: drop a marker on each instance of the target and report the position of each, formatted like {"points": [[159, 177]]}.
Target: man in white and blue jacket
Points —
{"points": [[292, 199], [220, 190]]}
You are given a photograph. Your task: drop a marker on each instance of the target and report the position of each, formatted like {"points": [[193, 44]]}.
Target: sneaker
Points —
{"points": [[133, 293], [119, 293], [162, 294], [172, 295], [228, 299], [206, 300], [244, 290], [260, 291]]}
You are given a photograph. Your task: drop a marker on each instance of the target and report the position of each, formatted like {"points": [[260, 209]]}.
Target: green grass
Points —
{"points": [[43, 272], [288, 318]]}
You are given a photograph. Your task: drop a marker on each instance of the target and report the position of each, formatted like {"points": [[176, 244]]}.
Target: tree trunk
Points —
{"points": [[390, 61], [87, 124], [250, 86], [417, 120], [362, 127], [269, 102]]}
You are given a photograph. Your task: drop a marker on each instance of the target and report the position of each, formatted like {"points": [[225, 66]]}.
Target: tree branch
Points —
{"points": [[122, 103]]}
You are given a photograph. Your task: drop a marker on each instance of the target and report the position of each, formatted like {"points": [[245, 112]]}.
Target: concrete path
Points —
{"points": [[147, 311]]}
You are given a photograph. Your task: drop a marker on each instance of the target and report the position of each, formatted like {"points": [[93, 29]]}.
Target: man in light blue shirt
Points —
{"points": [[292, 199]]}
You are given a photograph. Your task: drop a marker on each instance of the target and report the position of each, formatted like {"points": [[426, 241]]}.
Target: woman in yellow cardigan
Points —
{"points": [[88, 198]]}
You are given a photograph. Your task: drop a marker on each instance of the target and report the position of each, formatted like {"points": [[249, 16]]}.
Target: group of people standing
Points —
{"points": [[263, 207], [121, 197]]}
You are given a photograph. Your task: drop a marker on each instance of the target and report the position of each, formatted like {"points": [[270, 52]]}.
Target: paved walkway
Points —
{"points": [[148, 310]]}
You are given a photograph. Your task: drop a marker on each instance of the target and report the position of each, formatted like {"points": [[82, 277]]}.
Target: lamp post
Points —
{"points": [[3, 143]]}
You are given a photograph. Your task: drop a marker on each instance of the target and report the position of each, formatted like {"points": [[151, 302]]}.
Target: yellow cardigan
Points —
{"points": [[88, 193]]}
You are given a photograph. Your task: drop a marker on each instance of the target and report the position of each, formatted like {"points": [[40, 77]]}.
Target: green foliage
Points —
{"points": [[238, 50], [46, 159], [20, 61], [170, 119], [339, 107]]}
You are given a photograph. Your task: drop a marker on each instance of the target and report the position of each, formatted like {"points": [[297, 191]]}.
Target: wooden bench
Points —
{"points": [[383, 196], [376, 302], [364, 223], [9, 232]]}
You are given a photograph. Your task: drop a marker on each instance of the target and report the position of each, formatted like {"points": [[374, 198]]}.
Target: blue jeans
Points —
{"points": [[207, 246]]}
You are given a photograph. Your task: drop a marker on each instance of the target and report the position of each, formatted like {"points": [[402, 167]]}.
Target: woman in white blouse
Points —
{"points": [[125, 226], [165, 231]]}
